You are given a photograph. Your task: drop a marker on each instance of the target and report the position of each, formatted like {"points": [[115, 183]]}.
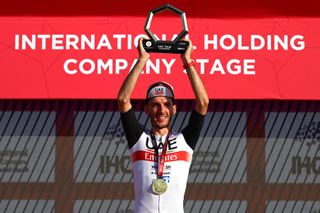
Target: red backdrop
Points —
{"points": [[43, 70]]}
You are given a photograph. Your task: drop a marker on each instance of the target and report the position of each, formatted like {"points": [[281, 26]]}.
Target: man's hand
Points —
{"points": [[143, 54], [186, 56]]}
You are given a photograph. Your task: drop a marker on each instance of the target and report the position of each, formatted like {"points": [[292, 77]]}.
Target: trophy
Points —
{"points": [[155, 45]]}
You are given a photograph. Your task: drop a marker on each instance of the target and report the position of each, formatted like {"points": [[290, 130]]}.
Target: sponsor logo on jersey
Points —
{"points": [[169, 157]]}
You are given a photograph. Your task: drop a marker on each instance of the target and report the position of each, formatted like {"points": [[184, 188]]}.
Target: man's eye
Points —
{"points": [[155, 105]]}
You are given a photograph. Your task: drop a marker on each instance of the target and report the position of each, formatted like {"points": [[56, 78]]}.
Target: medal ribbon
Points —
{"points": [[160, 158]]}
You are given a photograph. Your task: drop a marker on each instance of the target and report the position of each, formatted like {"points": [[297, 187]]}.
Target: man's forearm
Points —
{"points": [[129, 84], [199, 90], [202, 100]]}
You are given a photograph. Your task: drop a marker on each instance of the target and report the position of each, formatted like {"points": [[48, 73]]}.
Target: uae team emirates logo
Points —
{"points": [[159, 91]]}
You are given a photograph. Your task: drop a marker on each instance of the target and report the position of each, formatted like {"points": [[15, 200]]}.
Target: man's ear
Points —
{"points": [[174, 109]]}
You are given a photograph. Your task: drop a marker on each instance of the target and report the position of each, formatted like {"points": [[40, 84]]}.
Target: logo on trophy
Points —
{"points": [[155, 45]]}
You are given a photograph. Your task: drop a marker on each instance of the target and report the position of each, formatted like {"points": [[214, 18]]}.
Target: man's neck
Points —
{"points": [[160, 132]]}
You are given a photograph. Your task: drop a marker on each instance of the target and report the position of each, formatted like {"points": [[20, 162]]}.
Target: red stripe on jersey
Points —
{"points": [[150, 156]]}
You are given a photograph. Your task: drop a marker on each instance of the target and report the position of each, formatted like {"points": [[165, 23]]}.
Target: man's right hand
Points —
{"points": [[143, 54]]}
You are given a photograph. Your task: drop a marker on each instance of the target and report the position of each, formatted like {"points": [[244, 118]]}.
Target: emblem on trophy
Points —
{"points": [[155, 45]]}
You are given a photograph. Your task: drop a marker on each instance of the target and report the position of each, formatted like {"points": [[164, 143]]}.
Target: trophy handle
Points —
{"points": [[177, 47]]}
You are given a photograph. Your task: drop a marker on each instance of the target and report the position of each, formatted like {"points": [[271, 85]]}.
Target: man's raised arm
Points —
{"points": [[202, 100], [129, 83]]}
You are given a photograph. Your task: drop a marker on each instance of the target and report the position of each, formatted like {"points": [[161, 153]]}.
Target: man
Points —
{"points": [[161, 158]]}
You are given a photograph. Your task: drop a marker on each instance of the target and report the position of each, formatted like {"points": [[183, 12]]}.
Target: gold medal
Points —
{"points": [[159, 186]]}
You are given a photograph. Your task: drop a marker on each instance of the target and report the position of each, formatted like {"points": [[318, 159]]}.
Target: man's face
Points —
{"points": [[160, 111]]}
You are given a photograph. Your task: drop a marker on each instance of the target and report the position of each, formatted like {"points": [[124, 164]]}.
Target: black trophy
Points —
{"points": [[155, 45]]}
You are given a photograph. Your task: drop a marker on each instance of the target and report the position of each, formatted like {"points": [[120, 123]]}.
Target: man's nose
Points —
{"points": [[161, 108]]}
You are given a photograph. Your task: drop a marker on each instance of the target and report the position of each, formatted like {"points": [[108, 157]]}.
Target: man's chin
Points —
{"points": [[161, 125]]}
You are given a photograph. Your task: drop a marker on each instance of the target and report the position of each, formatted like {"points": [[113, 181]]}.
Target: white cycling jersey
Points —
{"points": [[176, 167]]}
